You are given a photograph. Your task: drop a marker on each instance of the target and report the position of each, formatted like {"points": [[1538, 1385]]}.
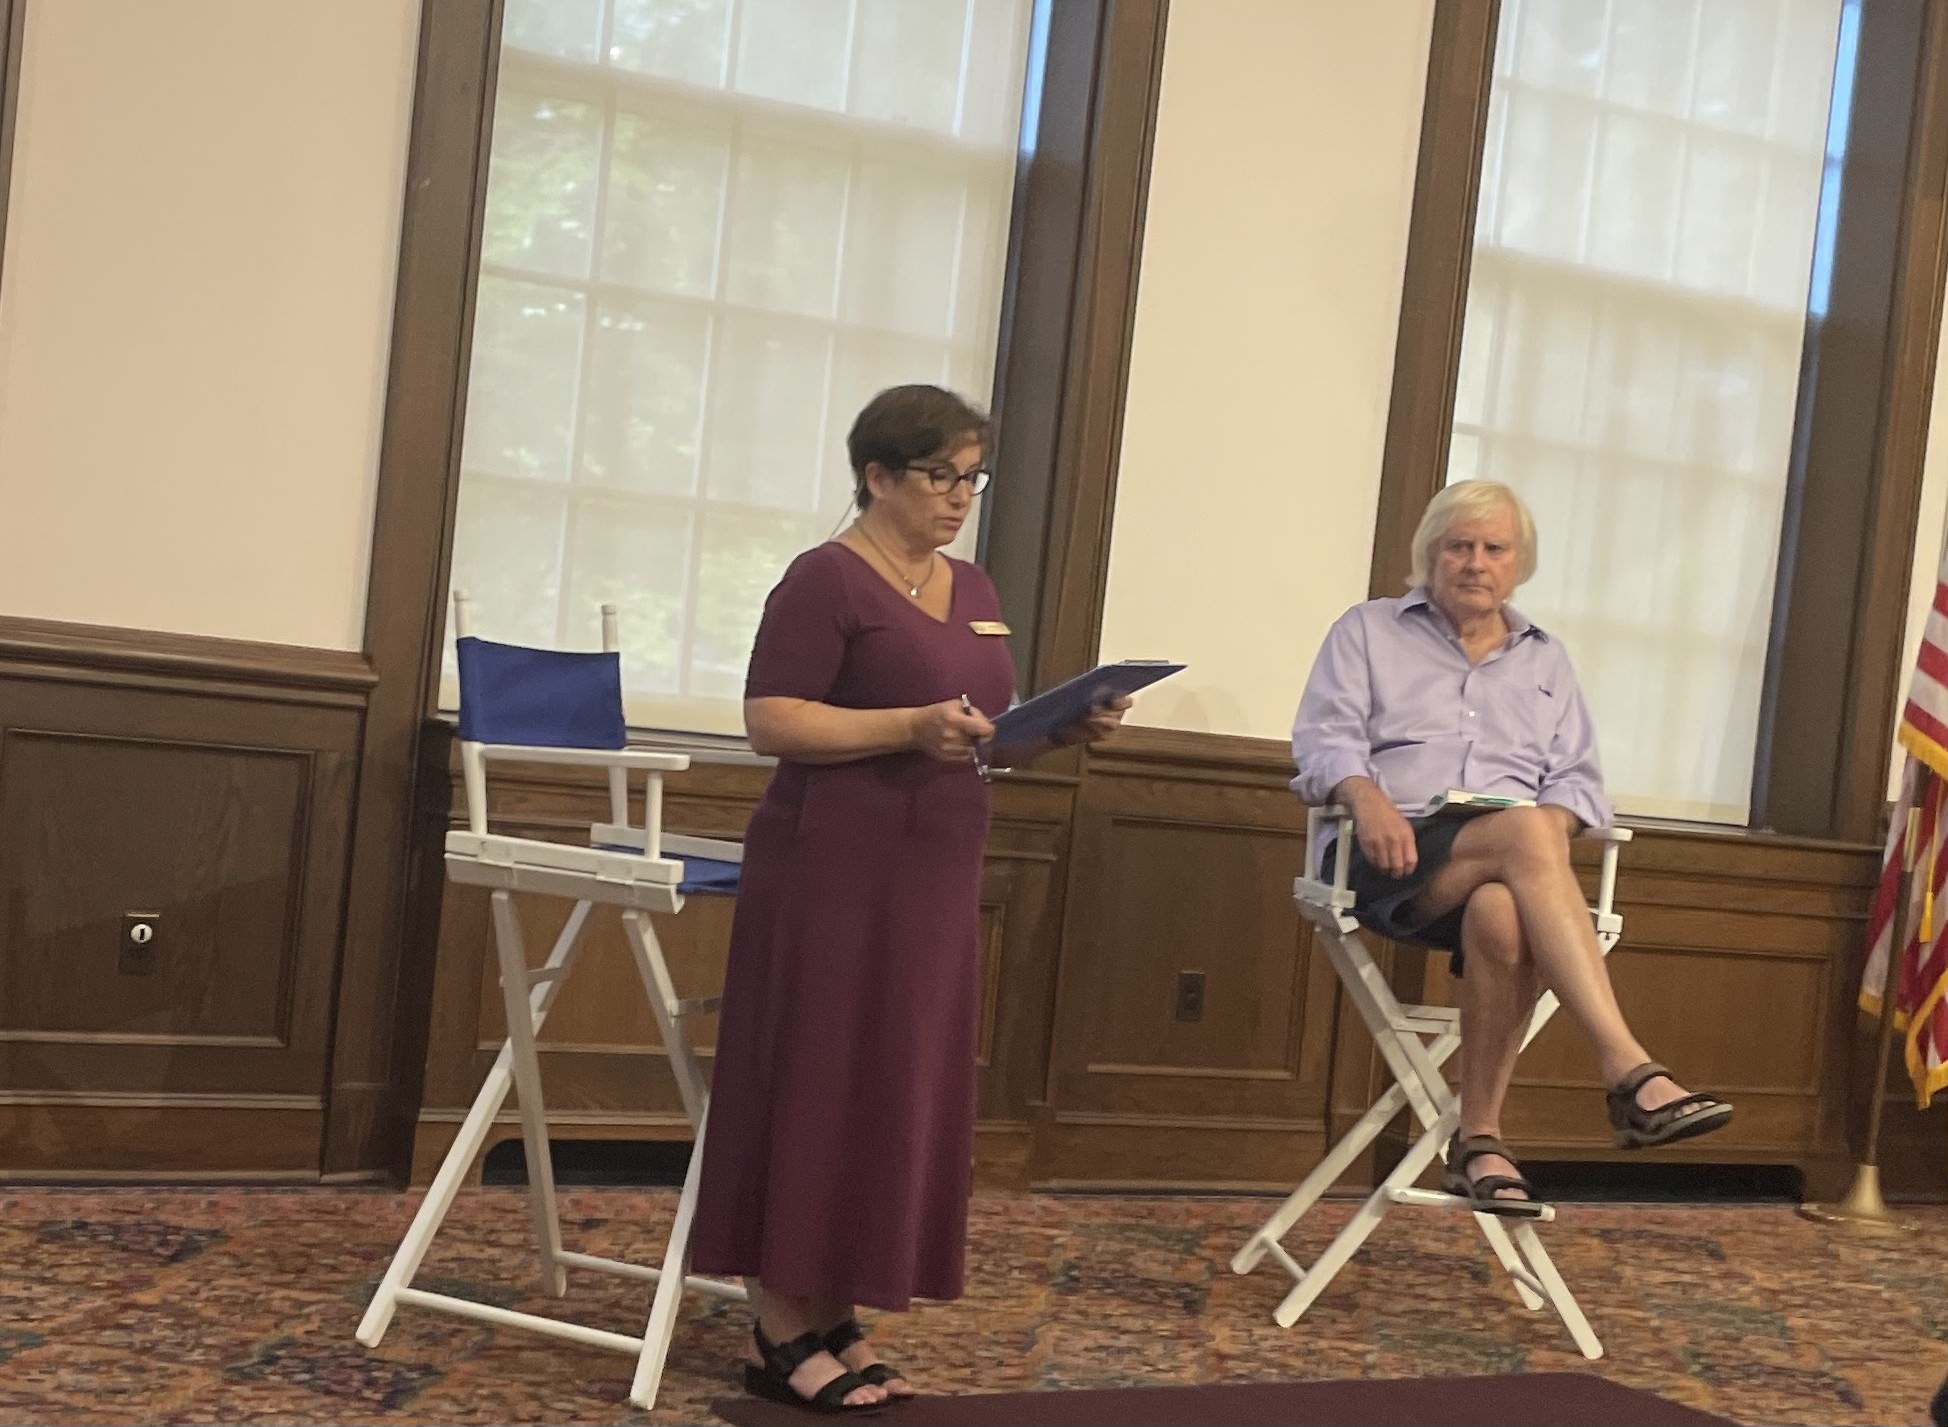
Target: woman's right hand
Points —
{"points": [[1385, 836], [946, 732]]}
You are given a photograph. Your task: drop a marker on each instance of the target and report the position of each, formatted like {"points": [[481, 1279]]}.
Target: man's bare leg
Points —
{"points": [[1497, 994], [1527, 851]]}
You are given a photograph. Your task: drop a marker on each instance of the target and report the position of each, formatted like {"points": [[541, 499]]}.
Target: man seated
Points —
{"points": [[1448, 687]]}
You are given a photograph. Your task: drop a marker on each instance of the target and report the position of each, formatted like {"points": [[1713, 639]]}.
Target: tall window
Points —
{"points": [[1651, 192], [714, 229]]}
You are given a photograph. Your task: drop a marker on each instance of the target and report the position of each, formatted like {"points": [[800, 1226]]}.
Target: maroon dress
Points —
{"points": [[838, 1159]]}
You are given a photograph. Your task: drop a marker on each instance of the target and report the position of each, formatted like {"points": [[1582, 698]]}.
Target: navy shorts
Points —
{"points": [[1384, 903]]}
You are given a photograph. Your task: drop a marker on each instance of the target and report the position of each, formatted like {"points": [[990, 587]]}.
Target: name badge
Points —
{"points": [[987, 626]]}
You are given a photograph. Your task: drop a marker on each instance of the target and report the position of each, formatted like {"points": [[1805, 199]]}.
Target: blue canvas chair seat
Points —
{"points": [[707, 877], [551, 707]]}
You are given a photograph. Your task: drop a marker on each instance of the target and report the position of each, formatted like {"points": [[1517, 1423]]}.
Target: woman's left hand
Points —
{"points": [[1102, 721]]}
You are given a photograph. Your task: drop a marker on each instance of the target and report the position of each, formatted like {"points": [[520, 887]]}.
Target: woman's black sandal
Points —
{"points": [[1634, 1128], [781, 1360], [1482, 1194], [878, 1374]]}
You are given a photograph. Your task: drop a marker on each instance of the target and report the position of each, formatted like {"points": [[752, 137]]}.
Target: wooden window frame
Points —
{"points": [[1069, 311], [1866, 380], [1833, 673], [13, 33]]}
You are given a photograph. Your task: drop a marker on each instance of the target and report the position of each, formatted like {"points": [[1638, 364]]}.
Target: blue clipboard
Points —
{"points": [[1039, 719]]}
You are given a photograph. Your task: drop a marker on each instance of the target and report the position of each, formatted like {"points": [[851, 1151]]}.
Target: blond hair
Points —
{"points": [[1471, 500]]}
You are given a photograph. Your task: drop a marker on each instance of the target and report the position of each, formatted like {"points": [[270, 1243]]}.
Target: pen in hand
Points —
{"points": [[980, 763]]}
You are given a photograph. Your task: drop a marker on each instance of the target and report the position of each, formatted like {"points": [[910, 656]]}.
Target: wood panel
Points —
{"points": [[602, 1060], [1176, 852], [1737, 966], [1184, 851], [90, 1138], [210, 783]]}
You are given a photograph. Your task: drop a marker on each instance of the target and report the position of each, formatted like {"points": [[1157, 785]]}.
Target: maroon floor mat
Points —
{"points": [[1529, 1400]]}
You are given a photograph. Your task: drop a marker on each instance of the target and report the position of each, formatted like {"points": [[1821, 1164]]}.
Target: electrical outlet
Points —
{"points": [[1190, 995], [141, 941]]}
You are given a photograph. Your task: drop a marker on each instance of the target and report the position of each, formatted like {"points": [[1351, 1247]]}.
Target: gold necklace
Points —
{"points": [[912, 588]]}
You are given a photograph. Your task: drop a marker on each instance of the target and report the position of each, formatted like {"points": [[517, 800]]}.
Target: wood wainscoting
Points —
{"points": [[214, 784], [210, 783], [1184, 852], [1173, 853], [1736, 966]]}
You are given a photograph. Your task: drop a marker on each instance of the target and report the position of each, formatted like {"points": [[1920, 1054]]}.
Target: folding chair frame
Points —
{"points": [[1414, 1041], [625, 867]]}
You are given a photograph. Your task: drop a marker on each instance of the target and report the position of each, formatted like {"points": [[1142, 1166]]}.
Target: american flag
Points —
{"points": [[1921, 968]]}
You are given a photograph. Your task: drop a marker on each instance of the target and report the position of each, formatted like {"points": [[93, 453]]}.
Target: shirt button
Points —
{"points": [[1471, 713]]}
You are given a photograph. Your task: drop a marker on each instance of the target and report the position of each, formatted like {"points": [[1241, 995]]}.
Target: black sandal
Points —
{"points": [[1483, 1194], [844, 1336], [1635, 1128], [781, 1360]]}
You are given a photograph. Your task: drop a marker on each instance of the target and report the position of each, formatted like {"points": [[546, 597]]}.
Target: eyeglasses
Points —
{"points": [[943, 478]]}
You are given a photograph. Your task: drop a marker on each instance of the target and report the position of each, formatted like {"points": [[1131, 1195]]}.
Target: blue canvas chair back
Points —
{"points": [[540, 698]]}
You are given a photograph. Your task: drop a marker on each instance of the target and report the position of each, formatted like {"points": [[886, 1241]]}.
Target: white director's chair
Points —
{"points": [[1414, 1041], [543, 706]]}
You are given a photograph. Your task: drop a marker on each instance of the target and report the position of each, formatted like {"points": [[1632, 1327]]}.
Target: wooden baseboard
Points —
{"points": [[236, 1138]]}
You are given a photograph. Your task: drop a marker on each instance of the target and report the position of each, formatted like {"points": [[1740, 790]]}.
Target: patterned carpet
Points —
{"points": [[185, 1306]]}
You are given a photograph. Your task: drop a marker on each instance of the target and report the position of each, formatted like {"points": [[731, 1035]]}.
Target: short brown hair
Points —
{"points": [[904, 424]]}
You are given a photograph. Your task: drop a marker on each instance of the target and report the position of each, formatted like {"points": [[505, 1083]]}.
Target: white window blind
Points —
{"points": [[1651, 190], [714, 229]]}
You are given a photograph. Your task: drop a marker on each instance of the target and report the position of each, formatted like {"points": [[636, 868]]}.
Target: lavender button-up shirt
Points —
{"points": [[1393, 697]]}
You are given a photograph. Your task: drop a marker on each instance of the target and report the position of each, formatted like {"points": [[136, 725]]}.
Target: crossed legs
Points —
{"points": [[1525, 926], [1496, 995]]}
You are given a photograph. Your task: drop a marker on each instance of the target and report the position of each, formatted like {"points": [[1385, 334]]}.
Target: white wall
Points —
{"points": [[1928, 535], [1273, 255], [195, 307]]}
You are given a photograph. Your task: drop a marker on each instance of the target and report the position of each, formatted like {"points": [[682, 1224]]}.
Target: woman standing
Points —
{"points": [[839, 1159]]}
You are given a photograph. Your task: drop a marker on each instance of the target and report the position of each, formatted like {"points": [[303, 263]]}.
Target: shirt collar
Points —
{"points": [[1519, 624]]}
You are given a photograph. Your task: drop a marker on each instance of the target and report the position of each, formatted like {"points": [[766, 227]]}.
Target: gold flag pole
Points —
{"points": [[1863, 1211]]}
